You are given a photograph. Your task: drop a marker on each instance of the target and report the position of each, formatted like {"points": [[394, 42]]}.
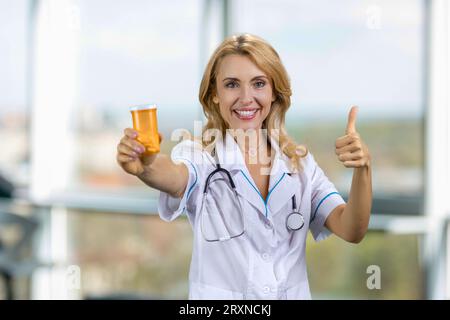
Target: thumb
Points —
{"points": [[351, 124]]}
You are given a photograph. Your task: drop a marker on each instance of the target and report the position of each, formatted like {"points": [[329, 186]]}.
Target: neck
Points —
{"points": [[248, 143], [254, 147]]}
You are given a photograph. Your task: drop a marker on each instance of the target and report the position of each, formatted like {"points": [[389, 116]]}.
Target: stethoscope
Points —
{"points": [[294, 220]]}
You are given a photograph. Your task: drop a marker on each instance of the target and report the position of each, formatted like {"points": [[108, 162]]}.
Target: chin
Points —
{"points": [[248, 126]]}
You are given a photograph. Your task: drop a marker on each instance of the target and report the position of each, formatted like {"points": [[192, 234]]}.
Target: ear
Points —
{"points": [[273, 98], [216, 100]]}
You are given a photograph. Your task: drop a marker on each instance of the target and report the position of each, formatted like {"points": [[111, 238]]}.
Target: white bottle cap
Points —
{"points": [[143, 107]]}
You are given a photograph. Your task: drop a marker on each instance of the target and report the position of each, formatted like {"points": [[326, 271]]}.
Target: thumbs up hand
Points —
{"points": [[350, 148]]}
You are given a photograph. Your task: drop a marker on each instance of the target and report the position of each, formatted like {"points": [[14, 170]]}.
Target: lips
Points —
{"points": [[245, 113]]}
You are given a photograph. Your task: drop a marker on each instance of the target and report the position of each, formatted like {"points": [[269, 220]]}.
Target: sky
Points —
{"points": [[360, 52]]}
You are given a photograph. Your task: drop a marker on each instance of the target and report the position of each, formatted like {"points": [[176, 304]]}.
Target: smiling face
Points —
{"points": [[244, 93]]}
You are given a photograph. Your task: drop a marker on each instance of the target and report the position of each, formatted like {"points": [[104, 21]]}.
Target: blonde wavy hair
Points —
{"points": [[264, 56]]}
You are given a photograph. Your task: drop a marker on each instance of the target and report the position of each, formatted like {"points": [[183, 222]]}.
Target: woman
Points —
{"points": [[249, 243]]}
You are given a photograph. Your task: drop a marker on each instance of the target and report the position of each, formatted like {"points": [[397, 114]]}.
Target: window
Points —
{"points": [[339, 270], [355, 52], [115, 55], [147, 52], [371, 54], [147, 257], [14, 121]]}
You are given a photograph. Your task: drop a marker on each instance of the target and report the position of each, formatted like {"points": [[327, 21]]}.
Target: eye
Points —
{"points": [[260, 84], [231, 84]]}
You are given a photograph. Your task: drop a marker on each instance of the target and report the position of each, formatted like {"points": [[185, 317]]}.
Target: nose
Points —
{"points": [[246, 96]]}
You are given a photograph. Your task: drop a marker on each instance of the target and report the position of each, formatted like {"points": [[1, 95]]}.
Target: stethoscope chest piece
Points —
{"points": [[295, 221]]}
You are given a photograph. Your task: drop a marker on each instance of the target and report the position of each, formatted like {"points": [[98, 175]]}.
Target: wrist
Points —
{"points": [[145, 172]]}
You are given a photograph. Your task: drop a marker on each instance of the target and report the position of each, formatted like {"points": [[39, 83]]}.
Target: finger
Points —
{"points": [[133, 144], [124, 149], [353, 164], [350, 156], [353, 147], [122, 158], [130, 133], [351, 124], [345, 140]]}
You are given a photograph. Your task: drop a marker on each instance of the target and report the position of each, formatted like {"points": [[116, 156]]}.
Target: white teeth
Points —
{"points": [[246, 113]]}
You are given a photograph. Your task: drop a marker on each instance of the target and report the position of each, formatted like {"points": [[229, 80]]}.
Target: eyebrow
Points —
{"points": [[236, 79]]}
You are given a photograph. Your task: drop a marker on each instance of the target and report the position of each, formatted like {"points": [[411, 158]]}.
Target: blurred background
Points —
{"points": [[74, 226]]}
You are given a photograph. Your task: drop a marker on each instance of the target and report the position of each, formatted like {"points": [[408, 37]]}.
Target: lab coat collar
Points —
{"points": [[282, 186], [283, 182]]}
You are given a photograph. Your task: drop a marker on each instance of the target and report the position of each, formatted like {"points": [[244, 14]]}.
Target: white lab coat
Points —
{"points": [[268, 261]]}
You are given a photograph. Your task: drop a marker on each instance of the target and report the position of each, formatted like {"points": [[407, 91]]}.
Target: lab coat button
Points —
{"points": [[265, 256], [268, 225], [266, 289]]}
